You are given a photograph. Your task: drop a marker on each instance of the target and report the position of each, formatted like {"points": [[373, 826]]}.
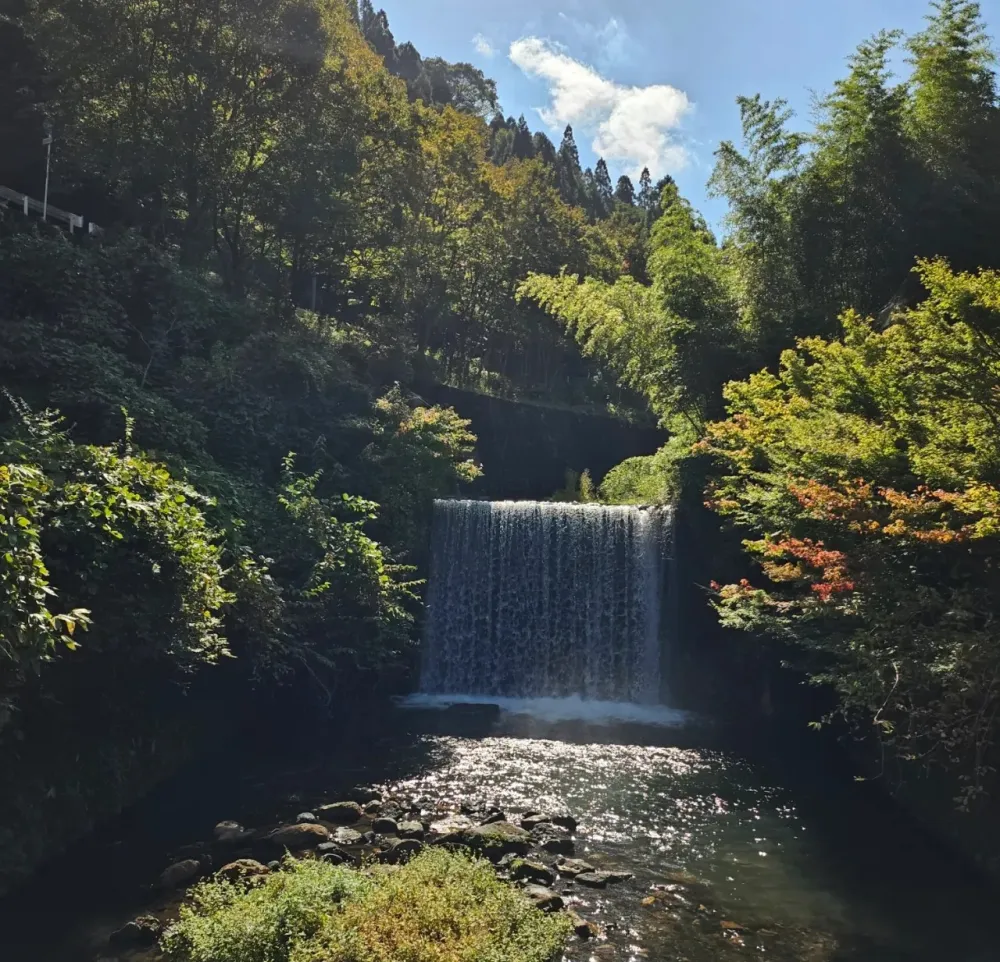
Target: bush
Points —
{"points": [[225, 922], [441, 907]]}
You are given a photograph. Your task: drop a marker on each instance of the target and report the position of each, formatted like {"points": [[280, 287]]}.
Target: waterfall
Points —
{"points": [[545, 600]]}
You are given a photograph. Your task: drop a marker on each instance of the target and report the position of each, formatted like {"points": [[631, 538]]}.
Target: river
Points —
{"points": [[741, 847]]}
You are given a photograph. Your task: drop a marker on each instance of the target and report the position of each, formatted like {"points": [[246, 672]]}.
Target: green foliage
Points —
{"points": [[579, 488], [440, 907], [123, 545], [227, 922], [656, 479], [866, 473]]}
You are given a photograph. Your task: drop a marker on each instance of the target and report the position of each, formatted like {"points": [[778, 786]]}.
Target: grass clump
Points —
{"points": [[440, 907]]}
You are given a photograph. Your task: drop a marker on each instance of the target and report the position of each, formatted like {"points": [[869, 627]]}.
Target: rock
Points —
{"points": [[508, 861], [275, 866], [544, 898], [243, 869], [558, 846], [364, 796], [340, 813], [332, 853], [303, 817], [400, 850], [600, 880], [297, 837], [368, 838], [532, 872], [347, 836], [384, 826], [452, 823], [373, 808], [583, 928], [139, 933], [180, 873], [565, 821], [494, 840], [229, 833], [410, 830], [494, 817], [528, 822], [572, 867]]}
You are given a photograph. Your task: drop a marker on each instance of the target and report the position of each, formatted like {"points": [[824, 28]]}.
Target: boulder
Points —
{"points": [[373, 808], [557, 845], [306, 817], [532, 872], [600, 880], [583, 928], [410, 830], [565, 821], [544, 898], [180, 873], [494, 817], [275, 866], [572, 867], [594, 880], [347, 836], [494, 840], [332, 853], [400, 850], [528, 822], [384, 826], [368, 838], [230, 833], [243, 870], [340, 813], [142, 932], [300, 836], [453, 823]]}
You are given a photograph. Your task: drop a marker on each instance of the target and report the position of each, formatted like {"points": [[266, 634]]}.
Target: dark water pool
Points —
{"points": [[757, 852]]}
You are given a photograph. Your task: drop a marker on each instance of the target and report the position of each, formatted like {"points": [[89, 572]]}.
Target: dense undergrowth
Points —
{"points": [[439, 907]]}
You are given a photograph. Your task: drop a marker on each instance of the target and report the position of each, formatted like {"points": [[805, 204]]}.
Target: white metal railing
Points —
{"points": [[29, 205]]}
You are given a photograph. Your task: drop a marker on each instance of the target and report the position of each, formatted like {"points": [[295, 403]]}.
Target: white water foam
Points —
{"points": [[572, 708]]}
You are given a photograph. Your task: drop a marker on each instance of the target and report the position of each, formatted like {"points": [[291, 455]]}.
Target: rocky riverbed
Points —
{"points": [[660, 848], [533, 850]]}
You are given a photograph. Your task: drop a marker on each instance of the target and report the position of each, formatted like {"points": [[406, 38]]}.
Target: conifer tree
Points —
{"points": [[624, 191]]}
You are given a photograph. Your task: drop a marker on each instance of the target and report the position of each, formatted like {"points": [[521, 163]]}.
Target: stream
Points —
{"points": [[741, 848]]}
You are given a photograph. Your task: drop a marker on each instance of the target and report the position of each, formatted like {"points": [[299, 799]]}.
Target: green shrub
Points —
{"points": [[224, 922], [441, 907]]}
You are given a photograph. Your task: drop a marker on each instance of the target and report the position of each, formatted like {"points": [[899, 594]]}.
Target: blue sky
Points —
{"points": [[653, 82]]}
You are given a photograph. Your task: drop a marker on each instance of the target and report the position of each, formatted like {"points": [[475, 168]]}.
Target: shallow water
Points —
{"points": [[755, 853]]}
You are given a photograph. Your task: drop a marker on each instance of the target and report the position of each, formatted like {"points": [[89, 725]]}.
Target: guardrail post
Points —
{"points": [[25, 205]]}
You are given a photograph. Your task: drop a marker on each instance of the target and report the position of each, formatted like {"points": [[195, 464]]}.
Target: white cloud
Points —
{"points": [[632, 127], [483, 45]]}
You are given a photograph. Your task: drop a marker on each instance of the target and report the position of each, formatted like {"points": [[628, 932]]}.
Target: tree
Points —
{"points": [[544, 149], [645, 197], [761, 188], [23, 91], [624, 191], [864, 474], [603, 181], [855, 219], [953, 120], [524, 147], [570, 174]]}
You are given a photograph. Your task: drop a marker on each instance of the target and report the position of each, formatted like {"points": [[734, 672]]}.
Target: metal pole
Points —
{"points": [[48, 163]]}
